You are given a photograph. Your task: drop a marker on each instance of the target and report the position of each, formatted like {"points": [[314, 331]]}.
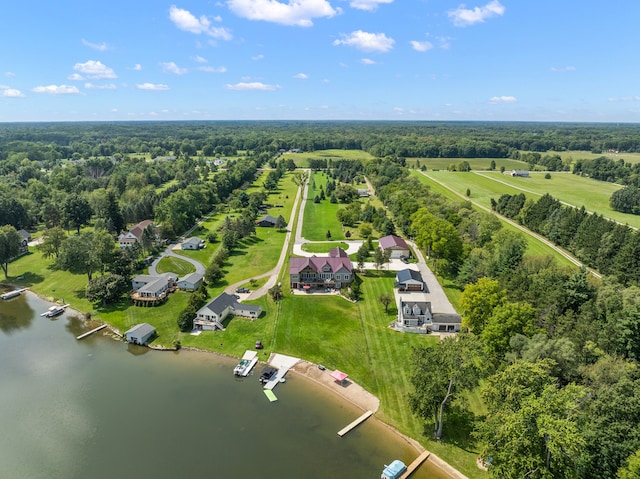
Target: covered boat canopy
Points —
{"points": [[339, 376], [393, 470]]}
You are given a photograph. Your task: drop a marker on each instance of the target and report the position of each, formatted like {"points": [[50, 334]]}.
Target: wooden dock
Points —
{"points": [[355, 423], [12, 294], [89, 333], [415, 464]]}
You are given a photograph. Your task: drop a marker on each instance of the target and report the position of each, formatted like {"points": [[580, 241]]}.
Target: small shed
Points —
{"points": [[140, 334]]}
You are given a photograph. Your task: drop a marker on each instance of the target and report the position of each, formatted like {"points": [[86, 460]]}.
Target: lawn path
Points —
{"points": [[519, 226]]}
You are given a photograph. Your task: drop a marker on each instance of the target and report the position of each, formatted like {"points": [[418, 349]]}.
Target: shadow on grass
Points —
{"points": [[458, 425], [27, 279]]}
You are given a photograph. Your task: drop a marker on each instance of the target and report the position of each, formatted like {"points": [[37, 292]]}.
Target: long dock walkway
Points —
{"points": [[89, 333], [355, 423], [415, 464], [283, 364]]}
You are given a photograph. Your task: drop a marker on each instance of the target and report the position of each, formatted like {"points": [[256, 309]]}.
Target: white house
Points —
{"points": [[148, 286], [190, 282], [193, 243], [211, 315], [134, 235]]}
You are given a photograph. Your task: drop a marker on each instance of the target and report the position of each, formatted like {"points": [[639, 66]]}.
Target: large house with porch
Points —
{"points": [[321, 272]]}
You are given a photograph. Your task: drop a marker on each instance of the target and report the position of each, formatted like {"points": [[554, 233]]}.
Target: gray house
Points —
{"points": [[409, 280], [414, 314], [190, 282], [153, 287], [267, 221], [140, 334], [211, 315], [193, 243]]}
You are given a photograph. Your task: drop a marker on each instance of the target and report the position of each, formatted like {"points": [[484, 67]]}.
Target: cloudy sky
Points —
{"points": [[542, 60]]}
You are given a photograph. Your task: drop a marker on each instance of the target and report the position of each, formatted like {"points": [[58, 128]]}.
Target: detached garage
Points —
{"points": [[140, 334]]}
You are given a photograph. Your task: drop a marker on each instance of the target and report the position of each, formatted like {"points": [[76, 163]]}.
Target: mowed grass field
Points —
{"points": [[587, 155], [571, 189], [302, 159], [321, 217], [476, 163], [535, 247]]}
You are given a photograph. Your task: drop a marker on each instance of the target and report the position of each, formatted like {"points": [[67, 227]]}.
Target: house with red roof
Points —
{"points": [[134, 235], [321, 272], [396, 246]]}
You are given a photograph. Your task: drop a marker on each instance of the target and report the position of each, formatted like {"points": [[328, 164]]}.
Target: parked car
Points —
{"points": [[404, 259], [243, 290], [259, 345]]}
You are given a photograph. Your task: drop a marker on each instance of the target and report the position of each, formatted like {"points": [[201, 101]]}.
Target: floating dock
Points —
{"points": [[248, 361], [89, 333], [283, 364], [54, 311], [415, 464], [355, 423], [12, 294], [269, 393]]}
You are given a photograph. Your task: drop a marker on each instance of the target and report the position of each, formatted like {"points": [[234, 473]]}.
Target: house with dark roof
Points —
{"points": [[333, 271], [212, 314], [134, 235], [412, 313], [409, 280], [395, 245], [267, 221]]}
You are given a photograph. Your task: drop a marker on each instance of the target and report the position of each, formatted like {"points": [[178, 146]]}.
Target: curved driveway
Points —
{"points": [[169, 252]]}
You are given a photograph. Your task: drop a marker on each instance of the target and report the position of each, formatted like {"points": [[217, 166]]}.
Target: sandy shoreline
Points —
{"points": [[353, 393]]}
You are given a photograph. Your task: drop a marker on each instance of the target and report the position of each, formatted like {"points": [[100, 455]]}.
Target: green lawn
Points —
{"points": [[323, 247], [321, 217], [302, 159], [171, 264], [476, 163], [587, 155], [535, 247]]}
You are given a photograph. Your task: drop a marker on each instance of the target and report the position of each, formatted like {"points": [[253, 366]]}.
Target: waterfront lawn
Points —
{"points": [[171, 264], [323, 248], [321, 217]]}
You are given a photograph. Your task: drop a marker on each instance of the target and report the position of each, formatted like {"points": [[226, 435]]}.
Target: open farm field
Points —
{"points": [[321, 217], [302, 159], [587, 155], [535, 247], [476, 163]]}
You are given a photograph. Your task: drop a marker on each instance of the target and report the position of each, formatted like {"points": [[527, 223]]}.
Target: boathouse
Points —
{"points": [[140, 334]]}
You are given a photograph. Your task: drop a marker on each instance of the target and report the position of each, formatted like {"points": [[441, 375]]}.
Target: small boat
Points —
{"points": [[12, 294], [246, 364], [267, 374], [54, 311], [393, 470]]}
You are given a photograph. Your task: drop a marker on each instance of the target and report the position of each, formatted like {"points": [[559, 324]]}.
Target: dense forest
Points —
{"points": [[553, 351]]}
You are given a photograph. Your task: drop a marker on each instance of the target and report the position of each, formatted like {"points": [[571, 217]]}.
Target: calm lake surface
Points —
{"points": [[98, 408]]}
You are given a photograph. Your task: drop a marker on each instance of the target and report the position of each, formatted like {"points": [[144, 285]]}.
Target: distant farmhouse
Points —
{"points": [[211, 315], [395, 245], [521, 173], [333, 271], [134, 235], [25, 237]]}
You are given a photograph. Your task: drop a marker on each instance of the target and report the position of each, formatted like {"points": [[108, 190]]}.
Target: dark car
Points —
{"points": [[243, 290], [259, 345], [404, 259]]}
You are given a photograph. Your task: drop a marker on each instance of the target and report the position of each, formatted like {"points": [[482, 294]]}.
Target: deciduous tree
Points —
{"points": [[9, 247]]}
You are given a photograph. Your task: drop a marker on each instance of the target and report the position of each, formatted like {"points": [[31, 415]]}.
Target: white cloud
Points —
{"points": [[421, 46], [171, 67], [101, 47], [209, 69], [625, 98], [297, 12], [57, 89], [258, 57], [368, 5], [503, 99], [367, 61], [463, 17], [152, 86], [185, 20], [92, 86], [200, 59], [95, 70], [301, 76], [9, 74], [10, 92], [75, 77], [568, 68], [244, 86], [369, 42], [137, 67]]}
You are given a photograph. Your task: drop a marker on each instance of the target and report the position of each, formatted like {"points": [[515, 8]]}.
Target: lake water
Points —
{"points": [[99, 408]]}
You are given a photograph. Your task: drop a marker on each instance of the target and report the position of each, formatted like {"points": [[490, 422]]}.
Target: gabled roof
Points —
{"points": [[218, 304], [137, 230], [141, 329], [192, 277], [25, 234], [337, 253], [193, 240], [316, 263], [392, 241], [408, 274], [423, 306], [268, 219]]}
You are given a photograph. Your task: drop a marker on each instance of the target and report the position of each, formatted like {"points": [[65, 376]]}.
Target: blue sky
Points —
{"points": [[543, 60]]}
